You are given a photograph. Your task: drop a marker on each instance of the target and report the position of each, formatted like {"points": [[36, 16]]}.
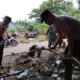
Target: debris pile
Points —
{"points": [[46, 66]]}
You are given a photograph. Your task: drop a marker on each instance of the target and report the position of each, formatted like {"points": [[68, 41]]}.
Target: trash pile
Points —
{"points": [[43, 65]]}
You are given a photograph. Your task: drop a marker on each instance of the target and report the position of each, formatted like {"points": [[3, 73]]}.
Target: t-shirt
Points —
{"points": [[68, 25]]}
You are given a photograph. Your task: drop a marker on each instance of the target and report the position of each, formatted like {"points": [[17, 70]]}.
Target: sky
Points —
{"points": [[19, 9]]}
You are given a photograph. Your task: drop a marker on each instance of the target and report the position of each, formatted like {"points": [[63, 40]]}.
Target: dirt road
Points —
{"points": [[22, 47]]}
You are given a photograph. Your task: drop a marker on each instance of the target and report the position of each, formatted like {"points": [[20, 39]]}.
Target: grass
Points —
{"points": [[38, 38], [41, 38], [22, 40]]}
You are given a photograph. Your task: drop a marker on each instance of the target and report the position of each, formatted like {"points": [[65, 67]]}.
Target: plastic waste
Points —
{"points": [[37, 74], [58, 62], [59, 78], [55, 73], [25, 73], [1, 78], [13, 72]]}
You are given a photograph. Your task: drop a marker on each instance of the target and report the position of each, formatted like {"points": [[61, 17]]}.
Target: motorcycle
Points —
{"points": [[11, 41]]}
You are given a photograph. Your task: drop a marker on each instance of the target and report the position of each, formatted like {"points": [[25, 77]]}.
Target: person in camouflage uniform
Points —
{"points": [[51, 34]]}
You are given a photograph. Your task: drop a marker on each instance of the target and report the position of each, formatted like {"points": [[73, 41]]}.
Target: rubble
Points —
{"points": [[48, 66]]}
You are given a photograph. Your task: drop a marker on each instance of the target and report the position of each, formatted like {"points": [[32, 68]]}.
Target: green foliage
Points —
{"points": [[77, 14], [22, 22], [12, 31], [41, 38], [42, 28], [79, 4], [59, 7], [30, 28], [22, 25]]}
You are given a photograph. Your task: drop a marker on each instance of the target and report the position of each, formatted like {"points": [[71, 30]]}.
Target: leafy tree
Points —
{"points": [[21, 25], [79, 4], [22, 22], [60, 7], [30, 28], [42, 28]]}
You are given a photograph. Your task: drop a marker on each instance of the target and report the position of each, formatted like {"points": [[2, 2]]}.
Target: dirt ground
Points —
{"points": [[13, 56]]}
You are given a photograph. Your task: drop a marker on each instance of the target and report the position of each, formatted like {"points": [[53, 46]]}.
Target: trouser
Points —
{"points": [[76, 53], [60, 43], [50, 42], [1, 50], [68, 67], [68, 71]]}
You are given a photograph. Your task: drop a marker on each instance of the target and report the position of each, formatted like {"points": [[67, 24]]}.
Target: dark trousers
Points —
{"points": [[50, 43], [76, 53], [68, 67], [1, 50]]}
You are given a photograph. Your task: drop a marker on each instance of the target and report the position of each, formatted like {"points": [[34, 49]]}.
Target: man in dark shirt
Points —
{"points": [[69, 27]]}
